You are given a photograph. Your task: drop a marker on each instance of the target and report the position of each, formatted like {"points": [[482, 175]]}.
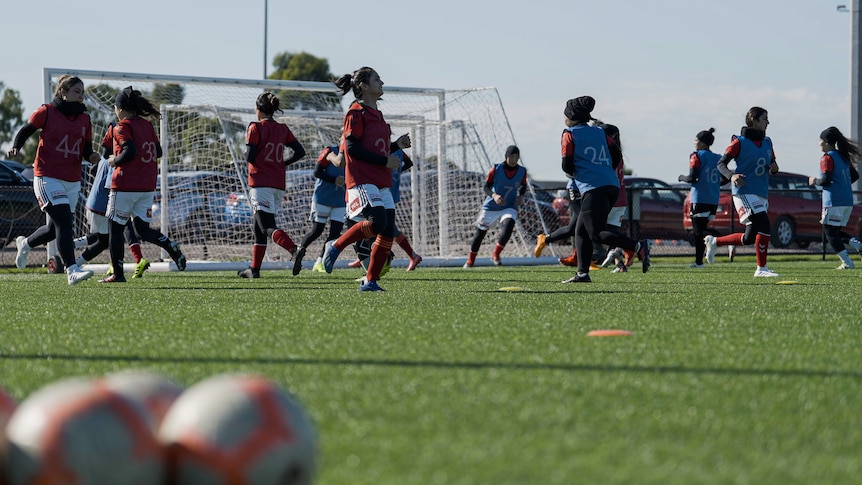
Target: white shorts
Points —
{"points": [[123, 206], [615, 216], [836, 216], [265, 199], [97, 222], [322, 213], [748, 205], [53, 191], [368, 195], [486, 217]]}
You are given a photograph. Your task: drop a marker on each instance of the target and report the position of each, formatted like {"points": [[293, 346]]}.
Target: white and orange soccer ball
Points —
{"points": [[7, 408], [155, 392], [78, 431], [235, 429]]}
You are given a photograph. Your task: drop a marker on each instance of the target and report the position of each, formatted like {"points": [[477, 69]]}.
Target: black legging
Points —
{"points": [[759, 224], [569, 230], [60, 227], [592, 225]]}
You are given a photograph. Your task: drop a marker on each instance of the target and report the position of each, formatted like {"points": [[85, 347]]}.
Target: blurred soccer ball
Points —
{"points": [[79, 431], [154, 392], [238, 430]]}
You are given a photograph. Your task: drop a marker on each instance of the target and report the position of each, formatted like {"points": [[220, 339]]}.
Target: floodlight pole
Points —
{"points": [[855, 72], [265, 24]]}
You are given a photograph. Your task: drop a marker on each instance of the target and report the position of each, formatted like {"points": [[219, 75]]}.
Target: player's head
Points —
{"points": [[364, 81], [579, 109], [613, 132], [513, 154], [130, 101], [757, 118], [267, 103], [832, 139], [70, 88], [705, 138]]}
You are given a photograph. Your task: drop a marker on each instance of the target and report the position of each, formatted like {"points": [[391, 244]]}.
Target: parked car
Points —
{"points": [[19, 211], [653, 210], [794, 212], [196, 204]]}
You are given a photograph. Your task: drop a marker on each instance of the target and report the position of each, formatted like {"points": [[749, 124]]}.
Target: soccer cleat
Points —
{"points": [[711, 248], [765, 272], [23, 252], [643, 254], [110, 270], [569, 260], [621, 268], [370, 286], [496, 260], [330, 255], [143, 265], [855, 244], [318, 267], [75, 275], [112, 279], [594, 266], [468, 264], [611, 257], [731, 252], [847, 266], [541, 244], [177, 255], [579, 278], [297, 260], [249, 273], [355, 263], [415, 259], [697, 266]]}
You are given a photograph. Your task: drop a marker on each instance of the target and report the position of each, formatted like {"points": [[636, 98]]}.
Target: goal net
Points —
{"points": [[202, 198]]}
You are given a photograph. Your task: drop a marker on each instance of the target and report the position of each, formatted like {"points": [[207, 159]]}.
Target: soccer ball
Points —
{"points": [[152, 391], [7, 408], [235, 429], [78, 431]]}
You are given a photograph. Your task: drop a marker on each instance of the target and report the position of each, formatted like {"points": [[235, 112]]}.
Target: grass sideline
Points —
{"points": [[444, 379]]}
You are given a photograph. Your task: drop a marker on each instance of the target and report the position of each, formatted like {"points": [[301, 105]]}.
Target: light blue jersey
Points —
{"points": [[593, 164], [505, 186], [97, 200], [840, 192], [753, 161], [706, 189]]}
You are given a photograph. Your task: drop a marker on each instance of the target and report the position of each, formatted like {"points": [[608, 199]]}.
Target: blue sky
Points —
{"points": [[661, 71]]}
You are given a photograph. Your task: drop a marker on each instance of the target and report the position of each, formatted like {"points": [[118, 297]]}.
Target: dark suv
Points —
{"points": [[19, 211]]}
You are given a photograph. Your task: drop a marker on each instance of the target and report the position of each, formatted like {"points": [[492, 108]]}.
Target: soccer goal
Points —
{"points": [[202, 199]]}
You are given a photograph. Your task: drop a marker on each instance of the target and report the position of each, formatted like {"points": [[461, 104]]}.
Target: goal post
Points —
{"points": [[202, 199]]}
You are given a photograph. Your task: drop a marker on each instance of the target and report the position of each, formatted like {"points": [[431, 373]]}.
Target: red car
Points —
{"points": [[794, 211]]}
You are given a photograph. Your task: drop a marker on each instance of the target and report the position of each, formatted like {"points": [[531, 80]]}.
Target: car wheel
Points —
{"points": [[783, 232]]}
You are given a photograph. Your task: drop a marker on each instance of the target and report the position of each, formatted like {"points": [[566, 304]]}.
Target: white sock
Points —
{"points": [[81, 242], [845, 258], [80, 261]]}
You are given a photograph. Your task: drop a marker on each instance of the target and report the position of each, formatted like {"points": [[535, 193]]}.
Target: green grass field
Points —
{"points": [[444, 379]]}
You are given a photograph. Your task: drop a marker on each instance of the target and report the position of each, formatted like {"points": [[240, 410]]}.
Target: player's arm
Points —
{"points": [[358, 152], [298, 152], [693, 170], [730, 154]]}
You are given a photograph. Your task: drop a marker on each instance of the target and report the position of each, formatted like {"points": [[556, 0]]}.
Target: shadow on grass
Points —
{"points": [[440, 365]]}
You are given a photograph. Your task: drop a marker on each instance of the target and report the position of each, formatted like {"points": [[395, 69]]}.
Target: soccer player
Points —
{"points": [[327, 204], [97, 206], [590, 157], [368, 174], [504, 188], [64, 141], [267, 139], [135, 161], [542, 240], [755, 160], [705, 180], [617, 256], [837, 175]]}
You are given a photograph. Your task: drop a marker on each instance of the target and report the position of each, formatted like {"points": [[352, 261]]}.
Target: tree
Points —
{"points": [[304, 67], [11, 113], [167, 94]]}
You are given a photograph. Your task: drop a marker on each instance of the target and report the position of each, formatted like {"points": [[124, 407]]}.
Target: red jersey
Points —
{"points": [[367, 125], [141, 172], [270, 137], [61, 143], [622, 199]]}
